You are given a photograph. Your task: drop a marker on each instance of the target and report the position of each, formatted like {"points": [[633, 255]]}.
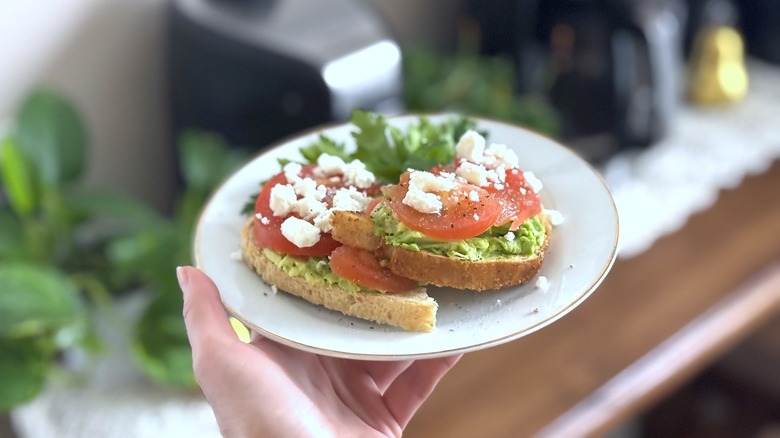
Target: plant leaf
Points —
{"points": [[17, 178], [51, 134], [11, 241], [161, 347], [35, 299], [203, 158], [102, 203], [23, 364]]}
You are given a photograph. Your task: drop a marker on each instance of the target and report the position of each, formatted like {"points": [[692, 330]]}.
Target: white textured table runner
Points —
{"points": [[656, 190], [709, 149]]}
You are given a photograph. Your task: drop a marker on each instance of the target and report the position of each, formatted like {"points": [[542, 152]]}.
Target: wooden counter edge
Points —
{"points": [[675, 360]]}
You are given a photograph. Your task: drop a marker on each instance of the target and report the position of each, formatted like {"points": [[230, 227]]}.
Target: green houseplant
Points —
{"points": [[67, 250]]}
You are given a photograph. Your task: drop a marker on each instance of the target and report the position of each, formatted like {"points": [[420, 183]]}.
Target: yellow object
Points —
{"points": [[241, 331], [717, 67]]}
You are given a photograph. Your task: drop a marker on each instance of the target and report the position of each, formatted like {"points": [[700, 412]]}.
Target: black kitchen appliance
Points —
{"points": [[611, 68], [256, 71]]}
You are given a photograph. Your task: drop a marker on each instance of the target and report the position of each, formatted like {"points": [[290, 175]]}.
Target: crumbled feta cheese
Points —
{"points": [[471, 146], [533, 181], [422, 201], [322, 221], [282, 199], [350, 200], [428, 182], [542, 283], [499, 154], [473, 196], [291, 171], [331, 164], [308, 207], [274, 289], [476, 217], [510, 236], [473, 173], [355, 173], [555, 216], [305, 187], [300, 232], [236, 256]]}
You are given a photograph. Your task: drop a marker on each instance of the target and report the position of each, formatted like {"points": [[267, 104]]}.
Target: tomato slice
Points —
{"points": [[372, 205], [363, 268], [518, 200], [460, 216], [268, 233]]}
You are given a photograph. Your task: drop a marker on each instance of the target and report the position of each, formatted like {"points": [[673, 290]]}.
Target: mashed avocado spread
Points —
{"points": [[490, 244], [315, 270]]}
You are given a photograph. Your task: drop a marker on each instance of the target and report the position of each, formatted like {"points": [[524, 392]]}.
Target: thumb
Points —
{"points": [[204, 315]]}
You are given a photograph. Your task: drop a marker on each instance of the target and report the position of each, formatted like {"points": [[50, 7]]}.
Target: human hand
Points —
{"points": [[267, 389]]}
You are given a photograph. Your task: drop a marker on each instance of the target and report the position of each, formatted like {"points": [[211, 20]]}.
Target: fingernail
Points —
{"points": [[181, 275]]}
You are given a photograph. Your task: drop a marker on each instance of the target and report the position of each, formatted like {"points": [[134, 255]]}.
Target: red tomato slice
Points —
{"points": [[372, 205], [517, 198], [268, 232], [460, 217], [363, 268]]}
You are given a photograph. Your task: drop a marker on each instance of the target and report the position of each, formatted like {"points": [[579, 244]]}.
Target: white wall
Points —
{"points": [[108, 57]]}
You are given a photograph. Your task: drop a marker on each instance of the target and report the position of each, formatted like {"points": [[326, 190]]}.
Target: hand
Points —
{"points": [[267, 389]]}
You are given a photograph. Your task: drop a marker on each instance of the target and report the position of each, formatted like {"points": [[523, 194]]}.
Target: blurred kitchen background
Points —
{"points": [[147, 104]]}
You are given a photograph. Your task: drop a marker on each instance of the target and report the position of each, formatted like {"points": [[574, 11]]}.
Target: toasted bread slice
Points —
{"points": [[427, 268], [413, 311]]}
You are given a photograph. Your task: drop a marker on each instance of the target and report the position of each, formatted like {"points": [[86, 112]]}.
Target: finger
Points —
{"points": [[408, 392], [385, 372], [204, 315]]}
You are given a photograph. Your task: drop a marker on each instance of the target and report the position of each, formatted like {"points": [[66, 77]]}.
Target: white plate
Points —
{"points": [[581, 253]]}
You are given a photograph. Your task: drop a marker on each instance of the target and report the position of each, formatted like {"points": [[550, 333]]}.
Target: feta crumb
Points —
{"points": [[236, 256], [471, 146], [542, 283], [331, 164], [308, 208], [274, 289], [322, 221], [473, 196], [499, 154], [510, 236], [473, 173], [291, 171], [305, 187], [282, 199], [555, 216], [349, 200], [476, 217], [422, 201], [300, 232], [533, 181], [355, 173], [428, 182]]}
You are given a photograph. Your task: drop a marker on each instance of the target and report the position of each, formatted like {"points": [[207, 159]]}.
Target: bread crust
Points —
{"points": [[413, 311], [438, 270]]}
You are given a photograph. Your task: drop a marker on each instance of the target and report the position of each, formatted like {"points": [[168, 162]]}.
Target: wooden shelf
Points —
{"points": [[656, 320]]}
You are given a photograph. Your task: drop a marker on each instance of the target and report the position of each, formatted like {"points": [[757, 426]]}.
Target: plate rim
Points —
{"points": [[587, 291]]}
